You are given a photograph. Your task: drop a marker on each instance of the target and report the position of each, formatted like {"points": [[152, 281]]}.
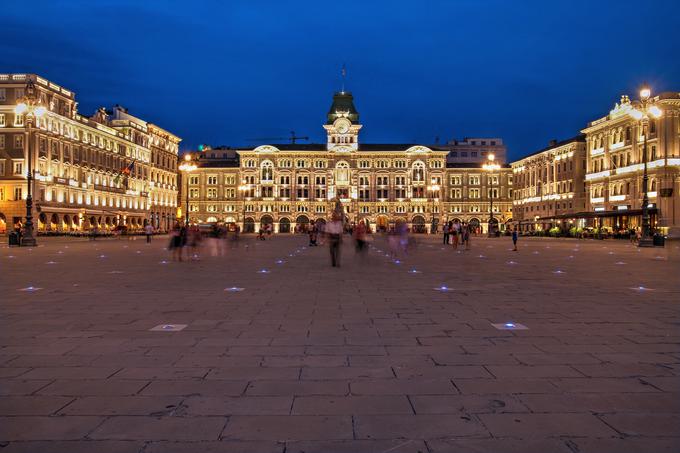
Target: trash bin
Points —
{"points": [[13, 238], [658, 240]]}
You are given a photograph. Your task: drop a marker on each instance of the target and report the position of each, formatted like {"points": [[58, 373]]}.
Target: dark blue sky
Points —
{"points": [[223, 72]]}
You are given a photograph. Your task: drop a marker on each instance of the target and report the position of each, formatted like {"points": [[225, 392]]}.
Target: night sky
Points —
{"points": [[227, 72]]}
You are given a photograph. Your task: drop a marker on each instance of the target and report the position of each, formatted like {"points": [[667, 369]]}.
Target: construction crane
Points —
{"points": [[293, 138]]}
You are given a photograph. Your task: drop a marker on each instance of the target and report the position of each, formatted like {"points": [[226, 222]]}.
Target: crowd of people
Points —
{"points": [[192, 240]]}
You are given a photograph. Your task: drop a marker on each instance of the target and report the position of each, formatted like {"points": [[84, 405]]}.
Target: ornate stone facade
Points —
{"points": [[290, 185], [77, 163]]}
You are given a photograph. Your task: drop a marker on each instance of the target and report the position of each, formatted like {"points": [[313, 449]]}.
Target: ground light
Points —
{"points": [[30, 289], [234, 289]]}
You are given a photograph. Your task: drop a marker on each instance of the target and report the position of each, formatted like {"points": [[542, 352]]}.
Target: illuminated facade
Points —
{"points": [[77, 164], [615, 166], [290, 185], [549, 185]]}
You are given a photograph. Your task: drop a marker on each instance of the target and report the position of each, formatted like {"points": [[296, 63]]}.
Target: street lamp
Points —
{"points": [[187, 167], [433, 189], [29, 106], [642, 114], [490, 166]]}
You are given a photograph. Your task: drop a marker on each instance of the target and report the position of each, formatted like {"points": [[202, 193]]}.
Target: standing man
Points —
{"points": [[445, 230], [148, 230], [514, 239]]}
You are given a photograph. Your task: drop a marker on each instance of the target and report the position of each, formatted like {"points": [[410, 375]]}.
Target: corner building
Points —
{"points": [[291, 185], [77, 164]]}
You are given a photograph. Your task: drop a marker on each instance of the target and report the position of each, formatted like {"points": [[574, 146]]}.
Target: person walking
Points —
{"points": [[514, 239], [334, 234], [455, 232], [445, 231], [148, 230], [360, 238], [466, 236]]}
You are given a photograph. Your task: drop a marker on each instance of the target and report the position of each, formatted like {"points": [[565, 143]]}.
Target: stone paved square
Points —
{"points": [[368, 357]]}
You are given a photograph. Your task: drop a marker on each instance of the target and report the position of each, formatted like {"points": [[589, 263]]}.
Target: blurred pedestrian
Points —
{"points": [[148, 230], [514, 239], [334, 230]]}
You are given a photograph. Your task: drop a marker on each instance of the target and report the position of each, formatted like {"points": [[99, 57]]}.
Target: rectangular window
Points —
{"points": [[194, 193], [229, 193], [212, 192], [193, 180], [2, 120], [18, 168], [230, 180], [474, 193], [19, 141], [17, 193], [3, 94], [212, 180], [2, 141]]}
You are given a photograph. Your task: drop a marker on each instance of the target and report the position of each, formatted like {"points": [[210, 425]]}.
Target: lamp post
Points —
{"points": [[187, 167], [433, 189], [490, 166], [31, 109], [642, 114]]}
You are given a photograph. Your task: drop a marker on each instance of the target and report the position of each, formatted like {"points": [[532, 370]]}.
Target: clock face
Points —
{"points": [[342, 125]]}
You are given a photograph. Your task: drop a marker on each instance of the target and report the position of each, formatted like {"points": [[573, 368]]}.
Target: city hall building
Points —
{"points": [[102, 171], [291, 185]]}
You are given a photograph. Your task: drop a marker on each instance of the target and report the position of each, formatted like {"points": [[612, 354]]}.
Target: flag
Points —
{"points": [[125, 171]]}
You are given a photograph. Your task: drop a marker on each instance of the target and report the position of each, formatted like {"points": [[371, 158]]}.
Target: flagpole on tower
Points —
{"points": [[344, 74]]}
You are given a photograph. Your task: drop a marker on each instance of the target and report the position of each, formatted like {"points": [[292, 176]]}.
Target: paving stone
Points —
{"points": [[630, 444], [224, 446], [349, 405], [47, 428], [166, 428], [468, 404], [243, 405], [416, 426], [77, 446], [497, 446], [98, 387], [32, 405], [190, 387], [288, 428], [122, 405], [297, 388], [603, 402], [532, 426], [402, 387], [665, 425], [356, 446]]}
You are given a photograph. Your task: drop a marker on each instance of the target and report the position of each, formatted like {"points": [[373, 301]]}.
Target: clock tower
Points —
{"points": [[342, 125]]}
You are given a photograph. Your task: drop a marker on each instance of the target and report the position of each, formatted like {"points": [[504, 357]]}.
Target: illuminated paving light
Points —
{"points": [[660, 258], [30, 289], [511, 262], [442, 288], [60, 252], [11, 256], [51, 262], [481, 256], [280, 261], [509, 326], [168, 328], [620, 263], [414, 271], [558, 271], [611, 253], [641, 289], [570, 256], [535, 252], [115, 272], [397, 262], [138, 251], [102, 256], [234, 289], [163, 262], [263, 271]]}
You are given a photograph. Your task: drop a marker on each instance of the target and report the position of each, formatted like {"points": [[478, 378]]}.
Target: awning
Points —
{"points": [[599, 214]]}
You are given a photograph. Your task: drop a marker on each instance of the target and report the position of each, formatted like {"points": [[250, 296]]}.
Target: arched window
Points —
{"points": [[267, 171], [418, 171], [653, 186]]}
